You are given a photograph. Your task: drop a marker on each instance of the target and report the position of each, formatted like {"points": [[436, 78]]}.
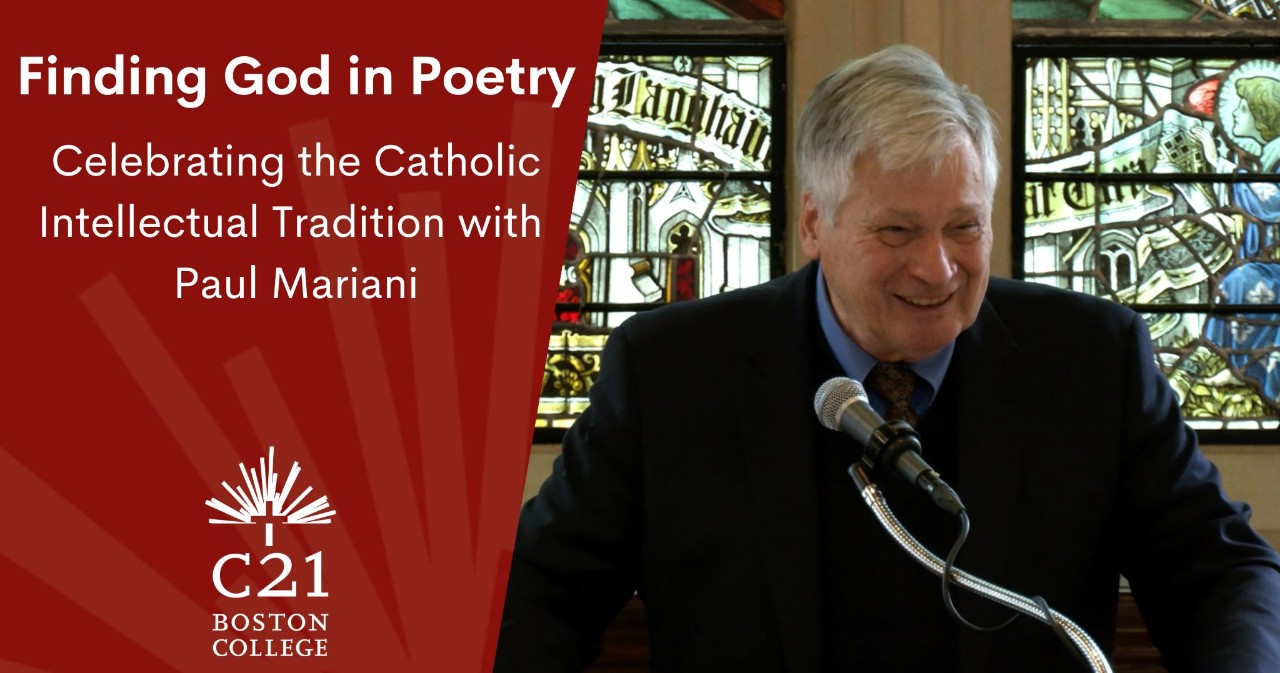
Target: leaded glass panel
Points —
{"points": [[1151, 179], [1137, 115], [1137, 243], [672, 11], [678, 198], [690, 113], [1144, 9], [1217, 385]]}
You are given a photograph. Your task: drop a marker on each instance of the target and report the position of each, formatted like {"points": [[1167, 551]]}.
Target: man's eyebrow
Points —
{"points": [[895, 214], [908, 216], [968, 210]]}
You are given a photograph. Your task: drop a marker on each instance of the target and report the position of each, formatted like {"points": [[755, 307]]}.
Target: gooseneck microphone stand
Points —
{"points": [[871, 494], [842, 405]]}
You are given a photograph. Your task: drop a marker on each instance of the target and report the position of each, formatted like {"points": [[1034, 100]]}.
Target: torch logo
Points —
{"points": [[259, 490]]}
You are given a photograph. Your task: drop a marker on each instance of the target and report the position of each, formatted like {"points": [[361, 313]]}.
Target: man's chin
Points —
{"points": [[910, 351], [917, 346]]}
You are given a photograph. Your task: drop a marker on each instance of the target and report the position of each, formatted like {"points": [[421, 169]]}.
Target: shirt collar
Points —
{"points": [[856, 363]]}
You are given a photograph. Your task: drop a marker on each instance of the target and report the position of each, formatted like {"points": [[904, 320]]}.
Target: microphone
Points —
{"points": [[841, 404]]}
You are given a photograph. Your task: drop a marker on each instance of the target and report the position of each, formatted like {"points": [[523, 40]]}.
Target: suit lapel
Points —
{"points": [[992, 443], [776, 420]]}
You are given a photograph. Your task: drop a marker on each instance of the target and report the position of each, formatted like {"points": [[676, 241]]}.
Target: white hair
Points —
{"points": [[897, 106]]}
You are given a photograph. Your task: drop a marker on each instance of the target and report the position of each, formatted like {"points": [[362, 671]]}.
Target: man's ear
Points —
{"points": [[810, 221]]}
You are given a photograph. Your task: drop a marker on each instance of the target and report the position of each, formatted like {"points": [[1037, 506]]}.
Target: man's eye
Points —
{"points": [[894, 236]]}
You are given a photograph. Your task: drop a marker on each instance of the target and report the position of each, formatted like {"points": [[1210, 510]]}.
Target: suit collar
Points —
{"points": [[988, 431], [993, 443], [777, 418]]}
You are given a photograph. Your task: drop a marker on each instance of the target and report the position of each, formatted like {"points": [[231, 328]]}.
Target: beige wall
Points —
{"points": [[971, 39]]}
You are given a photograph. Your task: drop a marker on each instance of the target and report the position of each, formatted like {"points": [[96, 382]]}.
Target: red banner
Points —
{"points": [[276, 296]]}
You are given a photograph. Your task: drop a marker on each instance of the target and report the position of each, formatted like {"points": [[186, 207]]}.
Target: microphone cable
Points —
{"points": [[949, 563], [947, 600]]}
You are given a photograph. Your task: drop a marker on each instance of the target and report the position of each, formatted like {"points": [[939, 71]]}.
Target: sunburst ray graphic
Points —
{"points": [[259, 492]]}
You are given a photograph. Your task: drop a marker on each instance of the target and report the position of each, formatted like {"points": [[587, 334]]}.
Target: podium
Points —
{"points": [[626, 642]]}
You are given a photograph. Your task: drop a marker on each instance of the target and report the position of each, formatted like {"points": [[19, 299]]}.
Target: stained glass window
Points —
{"points": [[694, 10], [1145, 9], [1149, 177], [679, 197]]}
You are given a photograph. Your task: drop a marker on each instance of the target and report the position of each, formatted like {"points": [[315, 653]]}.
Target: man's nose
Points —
{"points": [[932, 261]]}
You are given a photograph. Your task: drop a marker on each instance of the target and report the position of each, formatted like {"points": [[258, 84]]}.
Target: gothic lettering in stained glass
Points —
{"points": [[1099, 217], [718, 107], [673, 203]]}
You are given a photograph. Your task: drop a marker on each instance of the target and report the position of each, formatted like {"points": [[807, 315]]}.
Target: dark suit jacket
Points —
{"points": [[691, 480]]}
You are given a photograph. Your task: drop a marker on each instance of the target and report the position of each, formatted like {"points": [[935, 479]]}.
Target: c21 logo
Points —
{"points": [[263, 500], [270, 591]]}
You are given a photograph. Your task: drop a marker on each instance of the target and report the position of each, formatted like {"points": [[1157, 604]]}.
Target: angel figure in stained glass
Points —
{"points": [[1249, 113]]}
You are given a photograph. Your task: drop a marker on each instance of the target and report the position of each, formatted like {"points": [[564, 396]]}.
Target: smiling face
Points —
{"points": [[907, 256]]}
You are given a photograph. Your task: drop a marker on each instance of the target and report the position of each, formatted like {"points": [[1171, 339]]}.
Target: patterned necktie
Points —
{"points": [[895, 383]]}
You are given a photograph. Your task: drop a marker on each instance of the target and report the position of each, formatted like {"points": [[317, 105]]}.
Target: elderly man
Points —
{"points": [[723, 502]]}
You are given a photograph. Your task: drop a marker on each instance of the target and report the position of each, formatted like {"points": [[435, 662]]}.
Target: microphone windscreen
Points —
{"points": [[832, 397]]}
